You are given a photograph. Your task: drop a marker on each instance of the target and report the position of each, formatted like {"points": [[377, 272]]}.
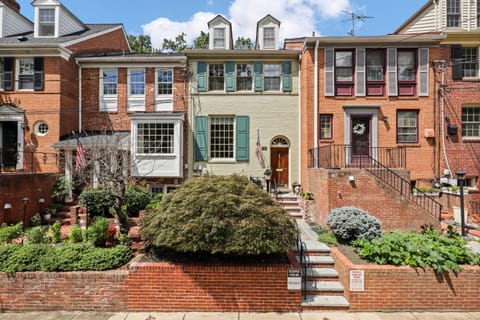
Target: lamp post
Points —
{"points": [[25, 201], [268, 176], [461, 182], [41, 202]]}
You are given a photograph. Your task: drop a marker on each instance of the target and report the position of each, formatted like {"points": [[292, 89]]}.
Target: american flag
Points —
{"points": [[259, 150], [80, 160]]}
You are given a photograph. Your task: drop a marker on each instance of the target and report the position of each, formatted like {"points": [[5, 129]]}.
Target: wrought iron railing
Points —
{"points": [[347, 156], [33, 161], [301, 248]]}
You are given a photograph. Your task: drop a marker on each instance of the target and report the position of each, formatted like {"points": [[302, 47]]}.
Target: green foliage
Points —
{"points": [[54, 232], [141, 44], [97, 200], [155, 201], [306, 195], [36, 235], [97, 232], [326, 236], [350, 223], [61, 189], [219, 215], [36, 220], [9, 233], [429, 249], [243, 43], [175, 46], [136, 199], [201, 42], [76, 234], [72, 257]]}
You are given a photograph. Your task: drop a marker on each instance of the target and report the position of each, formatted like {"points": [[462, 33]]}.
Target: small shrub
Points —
{"points": [[136, 199], [350, 223], [9, 233], [36, 220], [97, 200], [36, 235], [97, 232], [54, 232], [155, 201], [328, 238], [76, 234], [61, 189]]}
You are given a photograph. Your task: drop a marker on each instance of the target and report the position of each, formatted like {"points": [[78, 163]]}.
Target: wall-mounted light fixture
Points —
{"points": [[351, 178], [7, 206], [385, 118]]}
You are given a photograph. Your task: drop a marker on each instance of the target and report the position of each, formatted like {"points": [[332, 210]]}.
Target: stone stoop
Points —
{"points": [[290, 203], [323, 290]]}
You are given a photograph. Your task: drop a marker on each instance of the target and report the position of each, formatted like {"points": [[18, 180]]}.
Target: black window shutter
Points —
{"points": [[8, 74], [457, 63], [38, 73]]}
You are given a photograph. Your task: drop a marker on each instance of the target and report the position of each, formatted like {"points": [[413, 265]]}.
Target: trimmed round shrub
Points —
{"points": [[97, 200], [350, 223], [136, 199], [219, 215]]}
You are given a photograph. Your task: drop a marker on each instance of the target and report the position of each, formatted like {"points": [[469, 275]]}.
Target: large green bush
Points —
{"points": [[9, 233], [136, 199], [219, 215], [350, 223], [97, 200], [430, 249]]}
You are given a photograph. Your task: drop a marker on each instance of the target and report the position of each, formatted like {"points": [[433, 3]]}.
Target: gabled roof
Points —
{"points": [[419, 12], [221, 19], [10, 108]]}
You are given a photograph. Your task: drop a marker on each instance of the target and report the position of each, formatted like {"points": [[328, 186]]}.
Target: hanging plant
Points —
{"points": [[359, 129]]}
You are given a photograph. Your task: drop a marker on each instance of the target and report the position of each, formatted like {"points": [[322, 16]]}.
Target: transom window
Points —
{"points": [[471, 122], [406, 66], [46, 24], [164, 82], [272, 76], [155, 138], [222, 135], [244, 77], [269, 38], [325, 126], [109, 80], [25, 74], [407, 126], [470, 61], [216, 77], [453, 13], [137, 82], [219, 38]]}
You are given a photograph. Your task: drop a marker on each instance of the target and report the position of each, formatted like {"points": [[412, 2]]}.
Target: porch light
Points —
{"points": [[268, 176], [7, 206], [385, 119]]}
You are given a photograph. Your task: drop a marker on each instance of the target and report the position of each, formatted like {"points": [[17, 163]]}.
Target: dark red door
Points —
{"points": [[360, 138]]}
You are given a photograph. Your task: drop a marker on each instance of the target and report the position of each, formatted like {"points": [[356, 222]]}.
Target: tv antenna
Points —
{"points": [[353, 18]]}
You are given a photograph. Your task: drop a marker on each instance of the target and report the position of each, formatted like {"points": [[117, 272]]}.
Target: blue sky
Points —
{"points": [[164, 19]]}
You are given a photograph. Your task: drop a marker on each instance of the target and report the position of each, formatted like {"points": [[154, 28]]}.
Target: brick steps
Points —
{"points": [[289, 203]]}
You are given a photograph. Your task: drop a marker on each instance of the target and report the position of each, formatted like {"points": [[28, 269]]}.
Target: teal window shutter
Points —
{"points": [[258, 76], [287, 76], [243, 138], [201, 138], [201, 76], [230, 75]]}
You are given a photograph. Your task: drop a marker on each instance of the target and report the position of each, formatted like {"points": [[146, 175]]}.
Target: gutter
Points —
{"points": [[79, 95]]}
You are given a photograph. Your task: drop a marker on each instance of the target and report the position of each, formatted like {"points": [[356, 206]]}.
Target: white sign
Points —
{"points": [[294, 279], [357, 280]]}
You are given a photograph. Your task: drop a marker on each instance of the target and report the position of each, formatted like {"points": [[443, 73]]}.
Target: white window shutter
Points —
{"points": [[329, 72], [423, 68], [360, 70], [392, 71]]}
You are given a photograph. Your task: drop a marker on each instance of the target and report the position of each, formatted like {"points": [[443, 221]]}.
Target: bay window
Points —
{"points": [[155, 138]]}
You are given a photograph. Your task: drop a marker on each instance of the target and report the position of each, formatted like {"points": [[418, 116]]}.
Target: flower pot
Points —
{"points": [[47, 216]]}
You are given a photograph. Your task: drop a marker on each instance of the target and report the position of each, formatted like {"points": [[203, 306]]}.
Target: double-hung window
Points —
{"points": [[219, 38], [216, 77], [2, 75], [46, 22], [453, 13], [108, 89], [155, 138], [407, 126], [244, 77], [470, 62], [471, 122], [137, 82], [271, 76], [325, 126], [222, 138], [344, 72], [375, 68], [164, 82], [407, 72], [269, 38], [25, 73]]}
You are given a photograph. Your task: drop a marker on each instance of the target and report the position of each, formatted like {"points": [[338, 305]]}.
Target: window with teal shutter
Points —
{"points": [[258, 76], [243, 137], [287, 76], [201, 76], [201, 138], [230, 75]]}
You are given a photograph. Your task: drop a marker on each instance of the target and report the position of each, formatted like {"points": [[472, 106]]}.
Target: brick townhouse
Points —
{"points": [[457, 77]]}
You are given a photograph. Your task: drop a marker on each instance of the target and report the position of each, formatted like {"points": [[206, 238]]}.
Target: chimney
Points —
{"points": [[12, 4]]}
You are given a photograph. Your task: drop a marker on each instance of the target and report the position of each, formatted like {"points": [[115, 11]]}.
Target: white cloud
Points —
{"points": [[298, 18]]}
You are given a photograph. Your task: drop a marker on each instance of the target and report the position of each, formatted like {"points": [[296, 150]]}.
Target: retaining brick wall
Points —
{"points": [[390, 288], [157, 287]]}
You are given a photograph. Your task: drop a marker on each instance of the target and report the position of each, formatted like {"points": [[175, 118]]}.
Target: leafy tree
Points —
{"points": [[141, 44], [219, 215], [177, 45], [201, 42], [243, 43]]}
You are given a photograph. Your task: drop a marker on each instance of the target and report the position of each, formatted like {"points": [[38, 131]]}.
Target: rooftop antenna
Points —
{"points": [[353, 18]]}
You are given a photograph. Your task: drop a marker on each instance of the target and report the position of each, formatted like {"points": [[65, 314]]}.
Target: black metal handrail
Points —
{"points": [[302, 248], [10, 158], [402, 186], [348, 156]]}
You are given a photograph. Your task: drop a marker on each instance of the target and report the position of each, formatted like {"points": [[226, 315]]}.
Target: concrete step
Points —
{"points": [[314, 301], [322, 273], [292, 209], [324, 286], [318, 260], [313, 248]]}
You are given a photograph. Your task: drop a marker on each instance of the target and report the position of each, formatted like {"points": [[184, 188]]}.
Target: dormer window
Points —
{"points": [[46, 22], [453, 13], [219, 38], [269, 38]]}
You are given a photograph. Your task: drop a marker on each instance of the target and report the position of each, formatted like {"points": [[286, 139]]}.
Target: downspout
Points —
{"points": [[299, 120], [79, 96], [442, 105], [315, 103]]}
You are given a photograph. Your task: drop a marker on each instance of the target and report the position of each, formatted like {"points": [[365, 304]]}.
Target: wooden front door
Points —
{"points": [[360, 138], [279, 165]]}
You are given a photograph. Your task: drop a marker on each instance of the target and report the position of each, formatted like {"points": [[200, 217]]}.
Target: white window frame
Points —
{"points": [[164, 102], [457, 15], [266, 76], [18, 74], [49, 23], [267, 40], [168, 138], [211, 136], [136, 101], [108, 102], [41, 128], [402, 137], [466, 62], [219, 39], [212, 77], [471, 123], [244, 71]]}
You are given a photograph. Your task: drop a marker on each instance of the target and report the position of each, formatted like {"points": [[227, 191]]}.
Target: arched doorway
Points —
{"points": [[279, 160]]}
